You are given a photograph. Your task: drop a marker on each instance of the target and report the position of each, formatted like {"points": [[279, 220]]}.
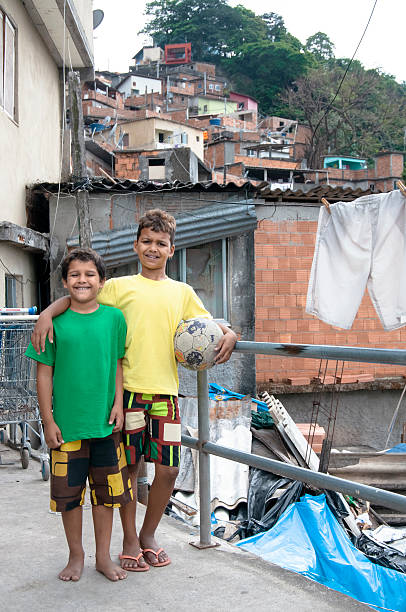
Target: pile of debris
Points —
{"points": [[251, 506]]}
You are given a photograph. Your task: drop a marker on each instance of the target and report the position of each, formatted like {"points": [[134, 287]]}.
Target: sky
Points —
{"points": [[117, 40]]}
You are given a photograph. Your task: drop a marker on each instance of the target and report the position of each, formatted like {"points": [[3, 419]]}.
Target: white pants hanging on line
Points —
{"points": [[361, 243]]}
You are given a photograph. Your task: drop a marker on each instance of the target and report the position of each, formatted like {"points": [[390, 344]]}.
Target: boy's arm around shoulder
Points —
{"points": [[53, 435], [44, 327], [226, 345]]}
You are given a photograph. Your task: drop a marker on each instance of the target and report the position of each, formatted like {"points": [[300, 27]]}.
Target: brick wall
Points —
{"points": [[127, 165], [283, 258], [214, 155]]}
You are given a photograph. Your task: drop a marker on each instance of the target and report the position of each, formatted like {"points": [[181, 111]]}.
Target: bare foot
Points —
{"points": [[112, 571], [73, 570], [149, 542], [132, 549]]}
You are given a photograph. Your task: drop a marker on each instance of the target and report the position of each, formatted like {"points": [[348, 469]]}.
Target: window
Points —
{"points": [[197, 138], [161, 137], [11, 292], [205, 108], [156, 169], [7, 65], [217, 87], [211, 85], [183, 138], [202, 268]]}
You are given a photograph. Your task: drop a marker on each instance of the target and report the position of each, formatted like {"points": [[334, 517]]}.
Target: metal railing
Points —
{"points": [[205, 448]]}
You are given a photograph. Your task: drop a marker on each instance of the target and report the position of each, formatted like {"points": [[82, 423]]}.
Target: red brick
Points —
{"points": [[298, 380], [365, 378], [327, 380], [347, 378], [261, 263]]}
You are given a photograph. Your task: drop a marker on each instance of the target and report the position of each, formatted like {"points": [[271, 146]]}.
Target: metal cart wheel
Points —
{"points": [[45, 471], [25, 458], [3, 436]]}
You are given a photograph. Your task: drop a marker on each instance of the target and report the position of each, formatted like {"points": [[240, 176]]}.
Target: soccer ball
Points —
{"points": [[195, 341]]}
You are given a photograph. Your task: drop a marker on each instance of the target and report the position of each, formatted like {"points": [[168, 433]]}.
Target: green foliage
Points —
{"points": [[257, 53], [320, 46], [364, 118], [264, 69]]}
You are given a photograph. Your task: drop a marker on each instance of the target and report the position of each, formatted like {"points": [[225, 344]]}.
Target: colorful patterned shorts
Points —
{"points": [[151, 428], [102, 460]]}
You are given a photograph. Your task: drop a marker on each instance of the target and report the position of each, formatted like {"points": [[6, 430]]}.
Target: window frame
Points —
{"points": [[179, 270], [5, 21]]}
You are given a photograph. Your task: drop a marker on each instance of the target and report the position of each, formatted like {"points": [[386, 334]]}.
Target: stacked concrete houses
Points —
{"points": [[166, 102]]}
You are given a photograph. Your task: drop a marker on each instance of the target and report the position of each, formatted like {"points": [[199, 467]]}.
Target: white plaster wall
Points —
{"points": [[140, 83], [84, 10], [143, 133], [30, 147]]}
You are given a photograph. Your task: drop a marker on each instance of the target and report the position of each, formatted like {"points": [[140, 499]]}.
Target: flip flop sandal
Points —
{"points": [[139, 568], [156, 553]]}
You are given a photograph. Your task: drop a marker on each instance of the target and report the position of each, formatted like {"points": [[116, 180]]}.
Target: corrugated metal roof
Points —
{"points": [[192, 228], [93, 184], [332, 194]]}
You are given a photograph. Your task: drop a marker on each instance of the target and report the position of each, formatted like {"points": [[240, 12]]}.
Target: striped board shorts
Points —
{"points": [[152, 428]]}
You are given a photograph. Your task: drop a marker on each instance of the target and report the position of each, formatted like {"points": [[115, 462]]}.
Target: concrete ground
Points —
{"points": [[33, 550]]}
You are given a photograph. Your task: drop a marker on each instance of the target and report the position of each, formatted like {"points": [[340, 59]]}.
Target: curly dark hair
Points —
{"points": [[159, 221], [83, 254]]}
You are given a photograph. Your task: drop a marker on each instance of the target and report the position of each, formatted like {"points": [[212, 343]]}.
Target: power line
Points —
{"points": [[345, 73]]}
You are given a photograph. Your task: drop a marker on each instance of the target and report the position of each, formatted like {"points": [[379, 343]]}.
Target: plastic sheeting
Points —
{"points": [[221, 393], [307, 539]]}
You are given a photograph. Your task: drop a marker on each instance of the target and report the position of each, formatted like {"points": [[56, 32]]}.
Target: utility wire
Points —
{"points": [[345, 73]]}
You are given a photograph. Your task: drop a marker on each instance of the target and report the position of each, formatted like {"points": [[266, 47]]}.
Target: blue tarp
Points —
{"points": [[307, 539], [399, 448], [220, 393]]}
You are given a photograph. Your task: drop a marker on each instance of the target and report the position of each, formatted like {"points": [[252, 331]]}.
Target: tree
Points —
{"points": [[214, 28], [320, 46], [364, 118], [276, 26], [264, 70]]}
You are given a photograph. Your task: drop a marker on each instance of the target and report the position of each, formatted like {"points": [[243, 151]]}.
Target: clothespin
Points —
{"points": [[326, 204], [402, 187]]}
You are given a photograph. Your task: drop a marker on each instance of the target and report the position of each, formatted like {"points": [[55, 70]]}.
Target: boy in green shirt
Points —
{"points": [[153, 306], [79, 386]]}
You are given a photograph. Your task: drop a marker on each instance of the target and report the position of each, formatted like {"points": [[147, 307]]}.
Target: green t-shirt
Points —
{"points": [[84, 355]]}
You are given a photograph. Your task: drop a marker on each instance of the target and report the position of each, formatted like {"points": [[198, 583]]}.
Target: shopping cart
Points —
{"points": [[20, 421]]}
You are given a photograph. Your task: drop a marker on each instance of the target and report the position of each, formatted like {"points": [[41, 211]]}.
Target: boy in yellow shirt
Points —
{"points": [[153, 306]]}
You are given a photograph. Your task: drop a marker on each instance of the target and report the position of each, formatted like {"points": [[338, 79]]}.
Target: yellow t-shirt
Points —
{"points": [[152, 310]]}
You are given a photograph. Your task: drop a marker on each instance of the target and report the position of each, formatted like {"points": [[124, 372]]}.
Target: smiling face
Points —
{"points": [[83, 283], [153, 249]]}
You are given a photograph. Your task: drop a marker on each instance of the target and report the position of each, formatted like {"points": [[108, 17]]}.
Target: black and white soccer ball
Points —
{"points": [[195, 341]]}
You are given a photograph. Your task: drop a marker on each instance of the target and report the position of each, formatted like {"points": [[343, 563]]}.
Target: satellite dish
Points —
{"points": [[98, 17]]}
